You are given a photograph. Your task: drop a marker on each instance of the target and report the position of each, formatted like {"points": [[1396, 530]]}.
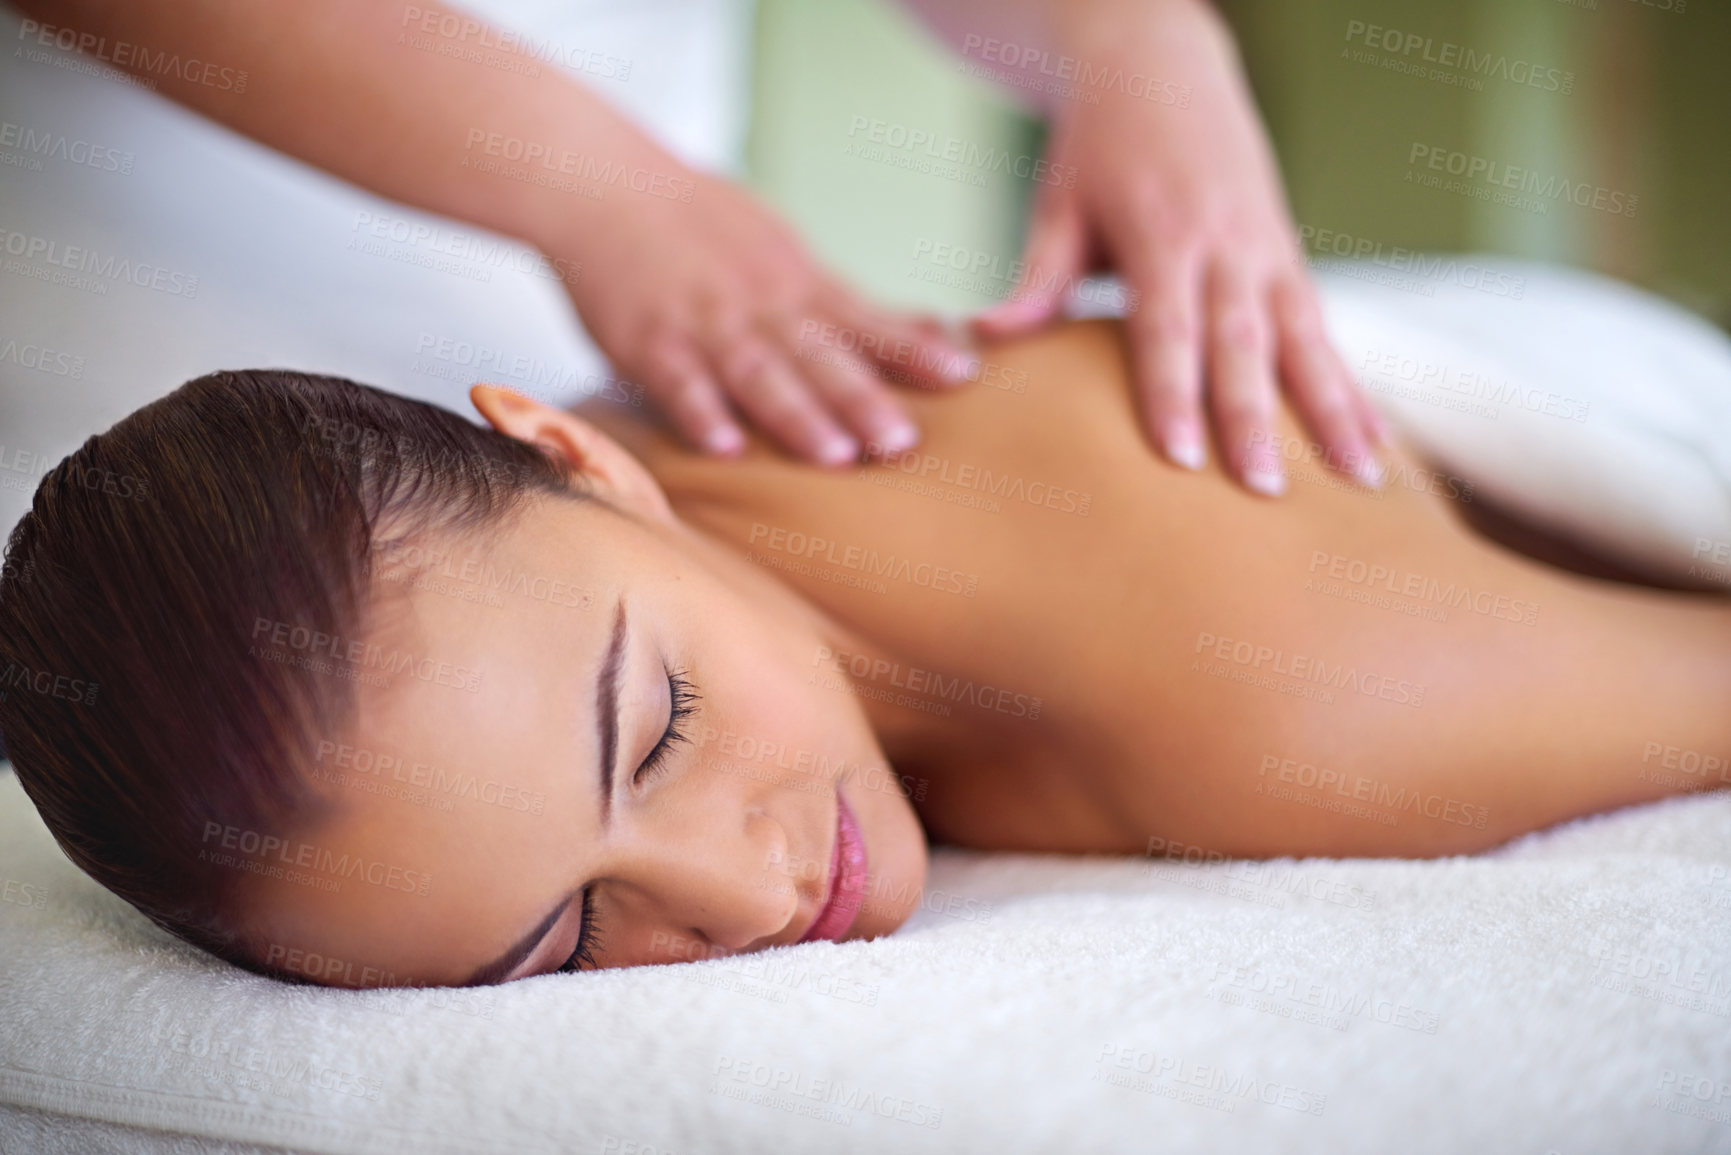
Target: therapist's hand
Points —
{"points": [[715, 307], [1177, 189]]}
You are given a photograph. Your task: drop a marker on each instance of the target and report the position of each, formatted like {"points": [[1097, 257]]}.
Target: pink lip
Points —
{"points": [[847, 878]]}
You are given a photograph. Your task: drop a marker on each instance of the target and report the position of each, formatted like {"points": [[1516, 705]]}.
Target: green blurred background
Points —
{"points": [[1649, 116]]}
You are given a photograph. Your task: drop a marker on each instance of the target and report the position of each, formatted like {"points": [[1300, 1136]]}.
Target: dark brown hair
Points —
{"points": [[132, 710]]}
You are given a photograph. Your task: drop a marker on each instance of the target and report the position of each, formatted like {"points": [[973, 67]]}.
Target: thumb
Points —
{"points": [[1051, 261]]}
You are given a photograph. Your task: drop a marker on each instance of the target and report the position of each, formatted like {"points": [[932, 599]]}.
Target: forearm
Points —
{"points": [[336, 83]]}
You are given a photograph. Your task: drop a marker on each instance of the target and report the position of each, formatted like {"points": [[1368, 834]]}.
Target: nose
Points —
{"points": [[720, 879]]}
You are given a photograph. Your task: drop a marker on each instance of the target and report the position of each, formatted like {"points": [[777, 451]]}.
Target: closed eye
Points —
{"points": [[682, 700]]}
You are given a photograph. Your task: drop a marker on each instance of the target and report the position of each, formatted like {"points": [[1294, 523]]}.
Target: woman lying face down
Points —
{"points": [[398, 700], [388, 699]]}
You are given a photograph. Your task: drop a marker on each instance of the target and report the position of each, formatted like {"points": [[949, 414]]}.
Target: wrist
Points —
{"points": [[1190, 34]]}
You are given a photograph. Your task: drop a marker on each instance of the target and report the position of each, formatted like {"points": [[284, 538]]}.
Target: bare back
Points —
{"points": [[1081, 647]]}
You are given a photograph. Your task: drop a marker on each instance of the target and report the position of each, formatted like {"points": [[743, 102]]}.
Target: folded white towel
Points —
{"points": [[1587, 406], [1595, 409]]}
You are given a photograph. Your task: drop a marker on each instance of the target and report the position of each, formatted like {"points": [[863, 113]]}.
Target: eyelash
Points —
{"points": [[683, 698], [588, 938]]}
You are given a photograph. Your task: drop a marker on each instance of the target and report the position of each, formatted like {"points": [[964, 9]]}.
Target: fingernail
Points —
{"points": [[1369, 472], [1185, 447], [724, 439], [837, 450], [894, 439], [1270, 482]]}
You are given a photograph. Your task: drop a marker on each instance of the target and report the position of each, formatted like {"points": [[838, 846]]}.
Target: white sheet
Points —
{"points": [[1346, 1006]]}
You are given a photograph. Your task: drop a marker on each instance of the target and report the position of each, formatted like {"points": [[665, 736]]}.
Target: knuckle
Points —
{"points": [[1167, 320], [1242, 410], [1241, 326], [745, 362]]}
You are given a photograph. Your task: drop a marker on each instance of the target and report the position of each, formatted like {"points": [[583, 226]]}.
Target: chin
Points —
{"points": [[896, 857]]}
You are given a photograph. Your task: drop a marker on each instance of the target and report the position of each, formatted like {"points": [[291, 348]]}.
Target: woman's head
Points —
{"points": [[361, 667]]}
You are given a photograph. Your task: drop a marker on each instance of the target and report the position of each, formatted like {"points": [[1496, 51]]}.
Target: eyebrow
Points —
{"points": [[607, 731], [607, 709]]}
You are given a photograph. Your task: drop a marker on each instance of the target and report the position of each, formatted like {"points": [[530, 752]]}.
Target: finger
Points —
{"points": [[1241, 385], [1323, 392], [1055, 255], [906, 350], [854, 394], [1300, 297], [1161, 261], [767, 390], [1166, 355], [677, 380]]}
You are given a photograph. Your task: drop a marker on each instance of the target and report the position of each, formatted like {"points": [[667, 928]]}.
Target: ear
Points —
{"points": [[611, 471]]}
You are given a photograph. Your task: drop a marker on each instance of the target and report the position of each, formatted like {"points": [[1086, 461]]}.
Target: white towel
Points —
{"points": [[1571, 993], [1592, 408]]}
